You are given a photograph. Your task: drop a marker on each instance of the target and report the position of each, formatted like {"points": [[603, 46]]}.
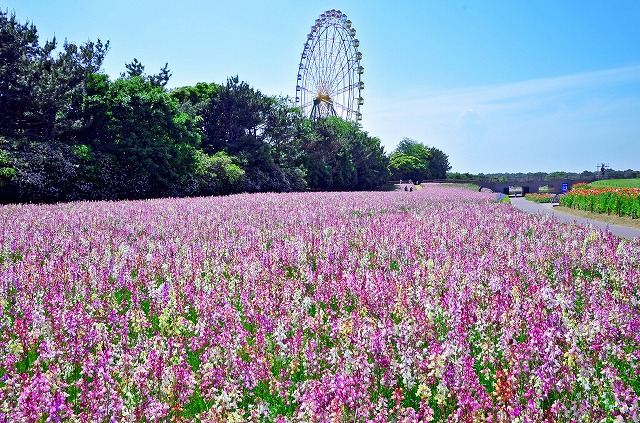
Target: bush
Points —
{"points": [[39, 172], [217, 174], [539, 198]]}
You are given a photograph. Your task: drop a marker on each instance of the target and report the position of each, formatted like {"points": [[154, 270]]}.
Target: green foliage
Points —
{"points": [[414, 161], [557, 175], [338, 155], [233, 117], [81, 150], [38, 90], [151, 140], [122, 299], [194, 100], [261, 133], [405, 167], [217, 174], [538, 198], [460, 176], [616, 183], [7, 169], [438, 163], [414, 148], [41, 171], [585, 175], [196, 404], [6, 173], [136, 68]]}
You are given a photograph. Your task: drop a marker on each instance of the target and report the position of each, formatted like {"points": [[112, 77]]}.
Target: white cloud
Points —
{"points": [[469, 119]]}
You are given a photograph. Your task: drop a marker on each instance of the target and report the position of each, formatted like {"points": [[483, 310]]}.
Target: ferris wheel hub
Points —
{"points": [[324, 98]]}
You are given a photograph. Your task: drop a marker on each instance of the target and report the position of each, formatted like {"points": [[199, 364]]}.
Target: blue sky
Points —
{"points": [[499, 86]]}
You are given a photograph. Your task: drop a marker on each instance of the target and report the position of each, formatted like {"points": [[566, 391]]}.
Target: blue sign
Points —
{"points": [[565, 187]]}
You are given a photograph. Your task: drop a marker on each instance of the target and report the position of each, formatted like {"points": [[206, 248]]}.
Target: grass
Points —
{"points": [[611, 219], [472, 187], [616, 183]]}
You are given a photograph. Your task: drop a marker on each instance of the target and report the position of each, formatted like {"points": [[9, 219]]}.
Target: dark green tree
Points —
{"points": [[321, 147], [284, 130], [338, 155], [136, 68], [19, 51], [146, 144], [460, 176], [438, 163], [369, 160], [253, 129], [39, 93], [234, 119]]}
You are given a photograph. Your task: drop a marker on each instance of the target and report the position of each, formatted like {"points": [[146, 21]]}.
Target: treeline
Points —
{"points": [[69, 132], [544, 176]]}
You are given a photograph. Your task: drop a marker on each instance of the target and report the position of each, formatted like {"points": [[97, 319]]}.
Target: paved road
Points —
{"points": [[531, 207]]}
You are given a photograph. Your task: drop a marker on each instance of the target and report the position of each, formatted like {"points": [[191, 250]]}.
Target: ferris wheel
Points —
{"points": [[330, 73]]}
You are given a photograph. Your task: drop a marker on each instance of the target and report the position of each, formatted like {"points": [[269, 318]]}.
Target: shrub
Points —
{"points": [[539, 198]]}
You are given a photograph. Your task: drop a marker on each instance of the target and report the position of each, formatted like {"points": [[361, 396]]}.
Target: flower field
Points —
{"points": [[621, 201], [435, 305]]}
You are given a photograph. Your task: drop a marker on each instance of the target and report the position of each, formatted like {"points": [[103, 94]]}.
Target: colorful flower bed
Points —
{"points": [[539, 198], [436, 305], [621, 201]]}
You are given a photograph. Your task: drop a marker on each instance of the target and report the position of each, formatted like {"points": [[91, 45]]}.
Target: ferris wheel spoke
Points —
{"points": [[332, 63], [320, 54], [343, 107], [337, 67], [342, 78], [345, 89]]}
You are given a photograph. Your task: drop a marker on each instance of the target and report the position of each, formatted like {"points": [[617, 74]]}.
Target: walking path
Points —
{"points": [[546, 208]]}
